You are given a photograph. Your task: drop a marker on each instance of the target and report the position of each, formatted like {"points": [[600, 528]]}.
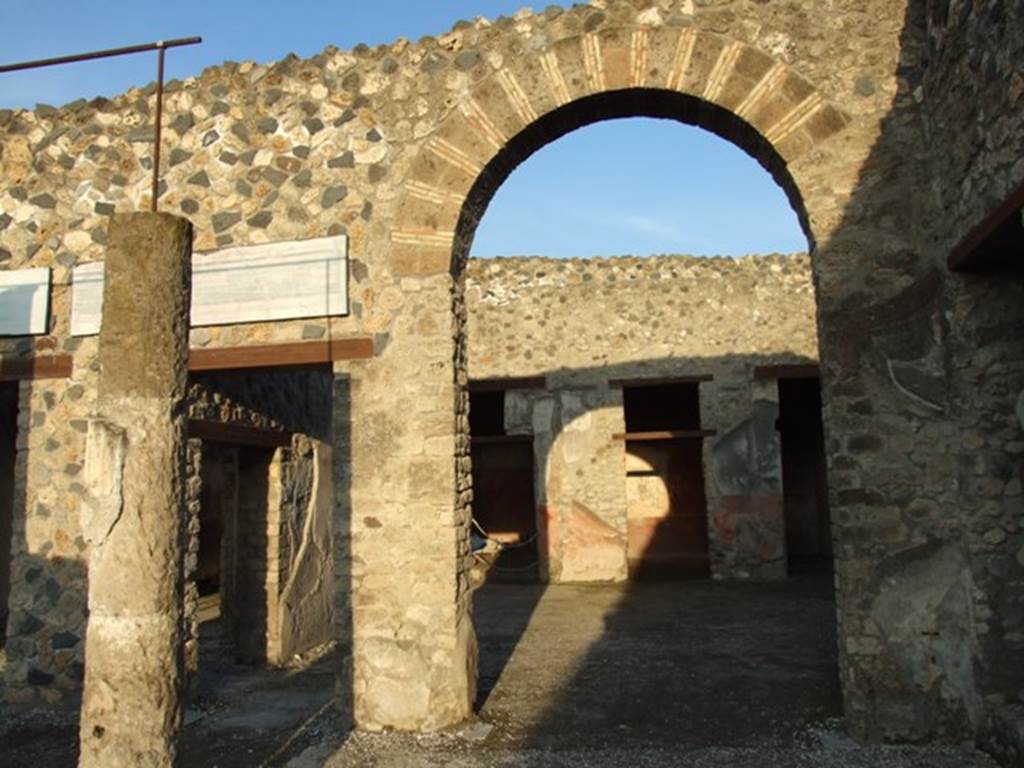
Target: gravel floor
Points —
{"points": [[701, 674], [820, 749]]}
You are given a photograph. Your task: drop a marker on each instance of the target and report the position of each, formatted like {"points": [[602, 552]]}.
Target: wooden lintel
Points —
{"points": [[668, 434], [512, 382], [37, 367], [660, 381], [238, 434], [997, 241], [797, 371], [275, 355], [500, 439]]}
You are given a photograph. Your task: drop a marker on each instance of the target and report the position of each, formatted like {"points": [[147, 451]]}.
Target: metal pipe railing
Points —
{"points": [[160, 46]]}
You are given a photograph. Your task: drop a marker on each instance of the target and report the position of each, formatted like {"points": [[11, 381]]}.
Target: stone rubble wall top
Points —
{"points": [[632, 316]]}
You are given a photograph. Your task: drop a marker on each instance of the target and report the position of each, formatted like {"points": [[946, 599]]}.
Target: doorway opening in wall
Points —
{"points": [[504, 510], [234, 561], [666, 507], [657, 477], [259, 593], [8, 453], [804, 481]]}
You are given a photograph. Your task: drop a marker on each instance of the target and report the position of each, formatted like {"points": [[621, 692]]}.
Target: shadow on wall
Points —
{"points": [[739, 460], [669, 542], [47, 619], [45, 599]]}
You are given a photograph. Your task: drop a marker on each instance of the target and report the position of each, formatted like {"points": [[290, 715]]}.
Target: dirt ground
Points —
{"points": [[237, 716], [699, 674]]}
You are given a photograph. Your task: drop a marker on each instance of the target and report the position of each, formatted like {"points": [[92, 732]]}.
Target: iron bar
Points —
{"points": [[160, 46], [158, 126]]}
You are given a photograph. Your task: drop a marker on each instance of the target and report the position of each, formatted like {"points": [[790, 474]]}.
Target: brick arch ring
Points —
{"points": [[728, 87]]}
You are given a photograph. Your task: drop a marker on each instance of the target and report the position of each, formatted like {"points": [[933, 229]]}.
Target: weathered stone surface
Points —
{"points": [[885, 182], [582, 322], [133, 517]]}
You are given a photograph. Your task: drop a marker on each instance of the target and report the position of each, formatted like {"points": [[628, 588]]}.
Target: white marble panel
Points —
{"points": [[24, 301], [255, 283]]}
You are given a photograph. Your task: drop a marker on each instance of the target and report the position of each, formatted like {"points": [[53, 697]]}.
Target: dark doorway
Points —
{"points": [[219, 497], [503, 498], [805, 488], [8, 452], [666, 508], [233, 558]]}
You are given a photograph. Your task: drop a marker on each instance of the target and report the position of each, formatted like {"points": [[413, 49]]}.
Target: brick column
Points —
{"points": [[134, 518]]}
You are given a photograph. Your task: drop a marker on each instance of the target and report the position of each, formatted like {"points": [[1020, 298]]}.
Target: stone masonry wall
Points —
{"points": [[582, 322], [400, 147], [973, 91], [577, 320], [284, 546], [48, 601]]}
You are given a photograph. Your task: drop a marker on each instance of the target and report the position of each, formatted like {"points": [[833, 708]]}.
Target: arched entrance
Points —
{"points": [[702, 79]]}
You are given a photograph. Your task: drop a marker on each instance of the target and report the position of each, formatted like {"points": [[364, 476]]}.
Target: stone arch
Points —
{"points": [[726, 86], [729, 87]]}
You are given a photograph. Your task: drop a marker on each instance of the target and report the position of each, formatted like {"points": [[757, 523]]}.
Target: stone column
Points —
{"points": [[134, 518]]}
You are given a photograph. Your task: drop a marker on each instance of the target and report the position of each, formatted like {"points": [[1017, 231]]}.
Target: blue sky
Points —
{"points": [[622, 187]]}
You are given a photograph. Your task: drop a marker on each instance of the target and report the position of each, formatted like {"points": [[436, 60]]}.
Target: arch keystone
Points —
{"points": [[639, 53], [710, 54]]}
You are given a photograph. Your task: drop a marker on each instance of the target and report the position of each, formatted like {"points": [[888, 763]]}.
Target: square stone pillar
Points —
{"points": [[134, 516], [401, 526]]}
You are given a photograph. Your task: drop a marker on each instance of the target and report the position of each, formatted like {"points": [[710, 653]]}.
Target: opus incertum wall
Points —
{"points": [[400, 148], [575, 333]]}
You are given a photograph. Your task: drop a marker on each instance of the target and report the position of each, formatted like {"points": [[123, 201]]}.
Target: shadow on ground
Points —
{"points": [[686, 663], [698, 673], [239, 716]]}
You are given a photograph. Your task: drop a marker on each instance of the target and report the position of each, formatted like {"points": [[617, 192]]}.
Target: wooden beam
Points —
{"points": [[660, 381], [238, 434], [996, 241], [797, 371], [668, 434], [501, 384], [500, 439], [227, 358], [36, 367], [275, 355]]}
